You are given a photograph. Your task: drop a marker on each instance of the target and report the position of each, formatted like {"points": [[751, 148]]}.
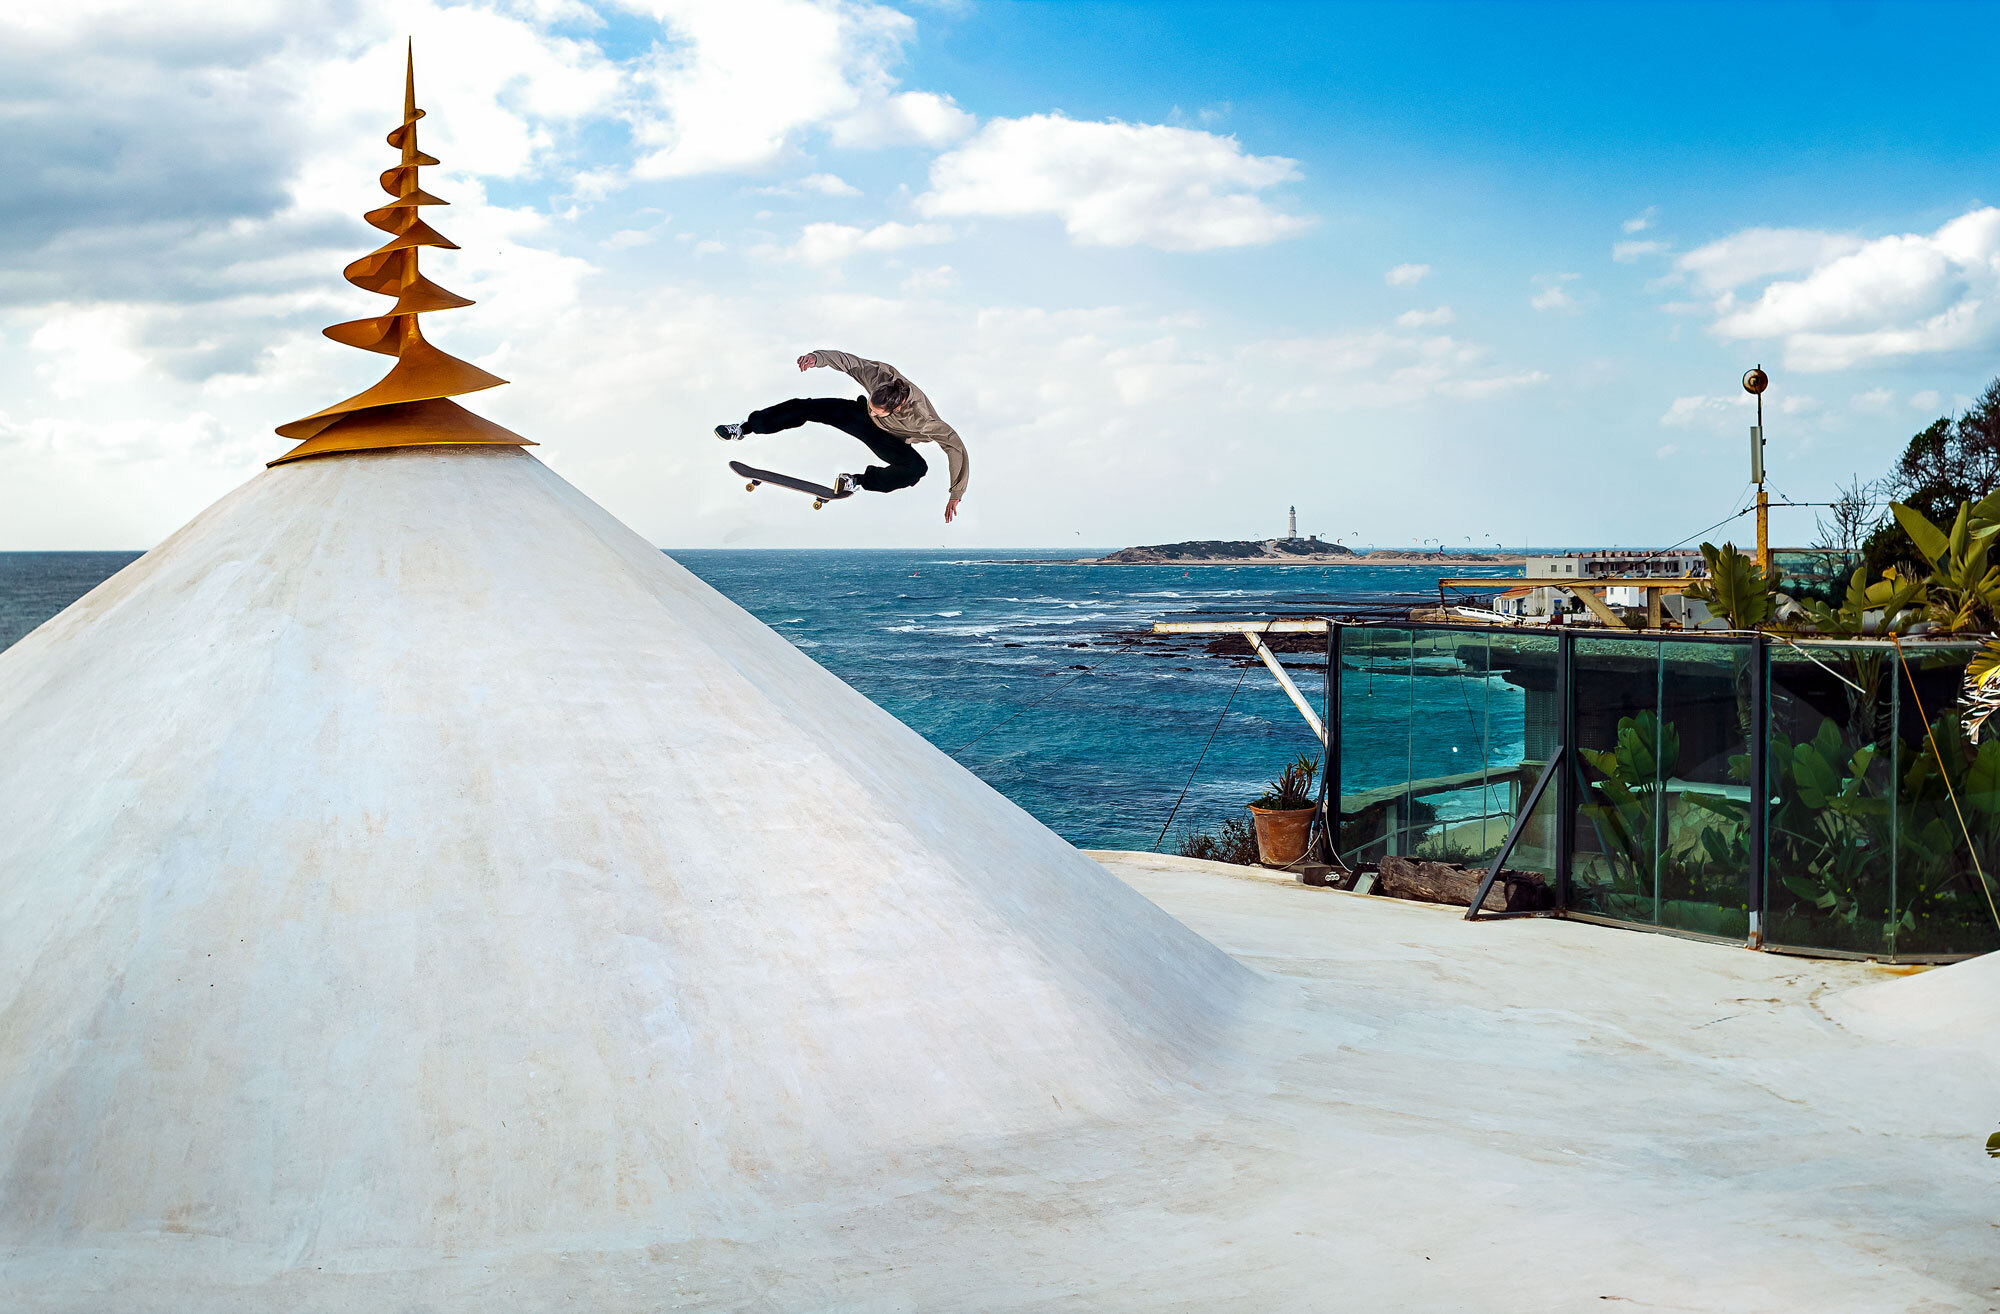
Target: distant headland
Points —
{"points": [[1291, 552]]}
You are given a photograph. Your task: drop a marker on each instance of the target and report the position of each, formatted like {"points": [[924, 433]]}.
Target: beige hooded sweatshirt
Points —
{"points": [[916, 422]]}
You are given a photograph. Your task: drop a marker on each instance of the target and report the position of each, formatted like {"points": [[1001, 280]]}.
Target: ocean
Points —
{"points": [[1022, 666]]}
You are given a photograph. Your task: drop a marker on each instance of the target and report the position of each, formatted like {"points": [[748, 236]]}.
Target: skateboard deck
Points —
{"points": [[819, 493]]}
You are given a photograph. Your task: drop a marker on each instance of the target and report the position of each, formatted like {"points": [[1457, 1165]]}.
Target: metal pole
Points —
{"points": [[1566, 782], [1329, 772], [1291, 690], [1760, 785], [1754, 383], [1763, 498]]}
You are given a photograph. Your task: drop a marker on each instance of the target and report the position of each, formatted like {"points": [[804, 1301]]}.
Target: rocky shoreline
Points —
{"points": [[1288, 552]]}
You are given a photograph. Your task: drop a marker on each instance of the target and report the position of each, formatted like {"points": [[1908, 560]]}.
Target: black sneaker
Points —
{"points": [[845, 484], [729, 432]]}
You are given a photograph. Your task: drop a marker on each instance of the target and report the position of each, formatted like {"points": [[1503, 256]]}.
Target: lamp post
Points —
{"points": [[1754, 383]]}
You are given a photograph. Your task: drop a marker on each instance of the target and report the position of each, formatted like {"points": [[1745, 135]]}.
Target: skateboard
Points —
{"points": [[819, 493]]}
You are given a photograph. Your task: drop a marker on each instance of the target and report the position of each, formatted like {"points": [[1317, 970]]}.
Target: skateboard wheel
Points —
{"points": [[751, 487], [817, 504]]}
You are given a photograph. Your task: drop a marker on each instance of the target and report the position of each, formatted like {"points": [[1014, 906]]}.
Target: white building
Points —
{"points": [[1618, 562], [1539, 602]]}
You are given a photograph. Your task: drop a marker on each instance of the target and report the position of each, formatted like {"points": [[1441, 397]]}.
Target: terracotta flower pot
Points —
{"points": [[1281, 834]]}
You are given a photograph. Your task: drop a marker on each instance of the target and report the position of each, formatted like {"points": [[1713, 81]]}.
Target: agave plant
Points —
{"points": [[1293, 789]]}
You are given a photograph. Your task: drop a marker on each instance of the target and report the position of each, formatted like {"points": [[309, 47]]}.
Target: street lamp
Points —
{"points": [[1754, 383]]}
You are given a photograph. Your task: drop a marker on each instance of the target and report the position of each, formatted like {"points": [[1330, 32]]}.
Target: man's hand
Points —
{"points": [[951, 511], [807, 361]]}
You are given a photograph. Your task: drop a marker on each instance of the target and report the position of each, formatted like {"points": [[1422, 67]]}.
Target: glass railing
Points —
{"points": [[1881, 819], [1443, 732]]}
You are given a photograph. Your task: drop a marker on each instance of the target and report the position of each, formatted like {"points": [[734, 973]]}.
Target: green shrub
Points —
{"points": [[1235, 840]]}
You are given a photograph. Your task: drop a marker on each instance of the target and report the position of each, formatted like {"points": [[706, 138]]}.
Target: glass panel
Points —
{"points": [[1619, 835], [1937, 905], [1831, 828], [1480, 740], [1443, 734], [1451, 813], [1704, 759], [1375, 691]]}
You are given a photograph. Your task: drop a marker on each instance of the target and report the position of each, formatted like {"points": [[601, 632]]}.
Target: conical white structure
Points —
{"points": [[406, 856], [1956, 1005]]}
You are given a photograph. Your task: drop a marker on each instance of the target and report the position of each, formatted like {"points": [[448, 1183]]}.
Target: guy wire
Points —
{"points": [[1977, 867], [1204, 754]]}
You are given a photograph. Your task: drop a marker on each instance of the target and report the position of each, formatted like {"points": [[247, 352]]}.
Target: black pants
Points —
{"points": [[902, 466]]}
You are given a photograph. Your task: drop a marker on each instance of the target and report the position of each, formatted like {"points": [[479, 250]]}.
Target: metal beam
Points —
{"points": [[1671, 583], [1597, 606], [1240, 627], [1514, 833], [1270, 659]]}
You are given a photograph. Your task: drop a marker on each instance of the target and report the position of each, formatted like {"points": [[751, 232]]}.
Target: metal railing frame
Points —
{"points": [[1564, 770]]}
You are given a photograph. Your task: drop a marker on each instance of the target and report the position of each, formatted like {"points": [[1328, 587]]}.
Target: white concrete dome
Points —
{"points": [[406, 856]]}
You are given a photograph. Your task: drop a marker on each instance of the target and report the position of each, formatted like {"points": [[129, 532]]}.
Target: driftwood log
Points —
{"points": [[1443, 882]]}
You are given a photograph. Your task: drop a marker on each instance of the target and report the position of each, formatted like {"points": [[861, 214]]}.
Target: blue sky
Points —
{"points": [[1482, 272]]}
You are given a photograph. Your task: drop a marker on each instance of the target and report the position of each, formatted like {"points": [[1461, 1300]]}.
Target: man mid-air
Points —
{"points": [[890, 419]]}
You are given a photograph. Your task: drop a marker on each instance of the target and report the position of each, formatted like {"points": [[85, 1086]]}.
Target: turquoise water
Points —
{"points": [[1014, 663]]}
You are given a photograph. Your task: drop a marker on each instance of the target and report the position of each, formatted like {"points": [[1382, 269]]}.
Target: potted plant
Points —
{"points": [[1284, 814]]}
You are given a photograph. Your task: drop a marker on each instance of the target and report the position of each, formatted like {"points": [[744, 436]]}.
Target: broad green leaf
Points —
{"points": [[1930, 540], [1982, 778], [1720, 804]]}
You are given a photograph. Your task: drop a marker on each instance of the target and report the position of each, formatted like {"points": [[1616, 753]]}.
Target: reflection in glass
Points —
{"points": [[1443, 732], [1868, 855]]}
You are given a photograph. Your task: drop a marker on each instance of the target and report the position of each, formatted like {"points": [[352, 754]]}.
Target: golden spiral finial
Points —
{"points": [[410, 406]]}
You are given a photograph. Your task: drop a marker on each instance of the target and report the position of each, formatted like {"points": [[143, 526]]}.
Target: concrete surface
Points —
{"points": [[418, 894]]}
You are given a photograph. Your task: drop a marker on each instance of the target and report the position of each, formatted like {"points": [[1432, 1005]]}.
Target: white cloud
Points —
{"points": [[1756, 254], [911, 118], [1414, 319], [1643, 220], [1665, 450], [829, 243], [1406, 275], [818, 184], [1894, 297], [198, 436], [1627, 252], [81, 349], [827, 184], [1875, 399], [740, 84], [1709, 412], [1361, 371], [1927, 400], [1553, 292], [928, 282], [596, 184], [1116, 184]]}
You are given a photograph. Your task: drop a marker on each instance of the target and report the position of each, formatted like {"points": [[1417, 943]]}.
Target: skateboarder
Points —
{"points": [[893, 417]]}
